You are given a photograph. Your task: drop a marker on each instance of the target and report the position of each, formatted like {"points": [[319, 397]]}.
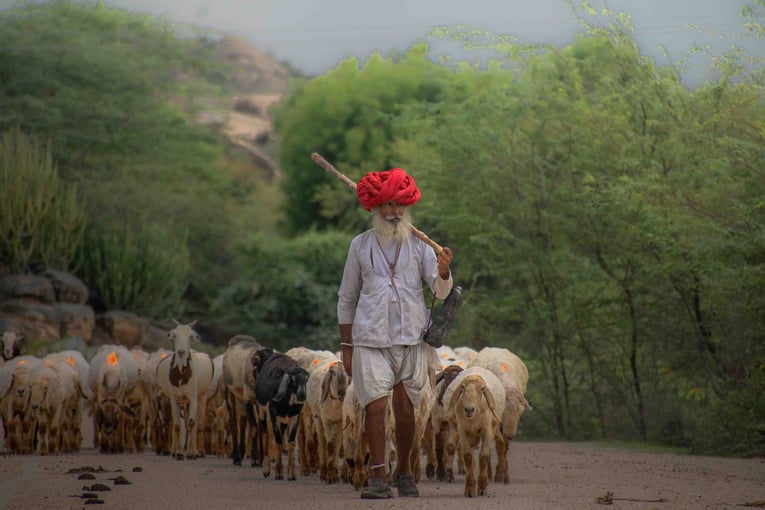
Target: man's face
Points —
{"points": [[393, 211]]}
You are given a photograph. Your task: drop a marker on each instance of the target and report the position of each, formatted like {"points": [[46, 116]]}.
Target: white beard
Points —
{"points": [[388, 230]]}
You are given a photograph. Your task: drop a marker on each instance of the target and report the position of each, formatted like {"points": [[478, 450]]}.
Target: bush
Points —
{"points": [[287, 293], [144, 271], [41, 219]]}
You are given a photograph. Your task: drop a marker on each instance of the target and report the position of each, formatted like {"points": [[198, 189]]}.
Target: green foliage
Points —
{"points": [[287, 292], [346, 116], [144, 270], [41, 217], [114, 90]]}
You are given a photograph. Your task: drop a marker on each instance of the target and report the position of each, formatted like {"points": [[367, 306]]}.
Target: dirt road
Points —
{"points": [[543, 476]]}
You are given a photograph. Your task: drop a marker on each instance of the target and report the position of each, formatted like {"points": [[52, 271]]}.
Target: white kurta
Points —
{"points": [[388, 308]]}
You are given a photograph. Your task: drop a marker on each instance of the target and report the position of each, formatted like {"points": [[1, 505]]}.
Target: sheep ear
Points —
{"points": [[326, 384], [176, 322], [526, 405], [489, 398], [192, 323], [456, 395], [440, 376], [284, 385]]}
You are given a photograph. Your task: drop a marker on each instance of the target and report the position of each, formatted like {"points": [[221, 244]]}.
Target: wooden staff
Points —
{"points": [[326, 165]]}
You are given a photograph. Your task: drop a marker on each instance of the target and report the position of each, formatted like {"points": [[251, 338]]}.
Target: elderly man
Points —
{"points": [[382, 316]]}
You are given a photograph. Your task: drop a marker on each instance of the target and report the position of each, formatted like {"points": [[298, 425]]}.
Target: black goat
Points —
{"points": [[280, 392]]}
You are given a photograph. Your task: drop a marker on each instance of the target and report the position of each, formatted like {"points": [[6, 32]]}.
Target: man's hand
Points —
{"points": [[444, 261]]}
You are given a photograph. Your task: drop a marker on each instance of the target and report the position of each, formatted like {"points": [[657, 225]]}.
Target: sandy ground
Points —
{"points": [[543, 476]]}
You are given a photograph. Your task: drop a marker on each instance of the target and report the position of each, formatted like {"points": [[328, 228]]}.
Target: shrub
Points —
{"points": [[144, 271], [41, 218]]}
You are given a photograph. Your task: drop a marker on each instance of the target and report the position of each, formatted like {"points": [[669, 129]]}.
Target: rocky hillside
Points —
{"points": [[245, 121], [56, 306]]}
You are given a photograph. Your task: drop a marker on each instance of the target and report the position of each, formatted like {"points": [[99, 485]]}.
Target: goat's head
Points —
{"points": [[467, 399], [108, 414], [293, 383], [181, 338], [444, 378], [11, 344], [335, 383], [258, 358]]}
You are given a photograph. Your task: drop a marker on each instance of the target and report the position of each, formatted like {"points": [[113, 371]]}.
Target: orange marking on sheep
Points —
{"points": [[316, 361], [111, 358], [48, 363], [505, 368], [70, 360], [21, 362]]}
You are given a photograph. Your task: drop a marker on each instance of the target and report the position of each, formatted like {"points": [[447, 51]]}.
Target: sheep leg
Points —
{"points": [[322, 448], [192, 449], [450, 439], [429, 445], [334, 441], [42, 429], [501, 445], [233, 429], [175, 433], [483, 463], [294, 426], [278, 445], [467, 456], [265, 425]]}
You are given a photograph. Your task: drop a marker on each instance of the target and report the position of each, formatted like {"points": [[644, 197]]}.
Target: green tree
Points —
{"points": [[346, 116]]}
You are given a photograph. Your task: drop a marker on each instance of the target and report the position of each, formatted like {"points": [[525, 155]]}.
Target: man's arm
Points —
{"points": [[346, 347]]}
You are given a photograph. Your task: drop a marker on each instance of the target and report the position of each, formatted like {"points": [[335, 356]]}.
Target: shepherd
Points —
{"points": [[382, 318]]}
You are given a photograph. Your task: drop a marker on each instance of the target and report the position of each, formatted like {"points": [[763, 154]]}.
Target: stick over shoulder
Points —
{"points": [[329, 168]]}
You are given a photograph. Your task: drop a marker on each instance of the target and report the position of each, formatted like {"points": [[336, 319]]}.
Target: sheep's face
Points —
{"points": [[11, 345], [108, 417], [181, 338], [22, 382], [37, 394], [470, 403], [515, 406]]}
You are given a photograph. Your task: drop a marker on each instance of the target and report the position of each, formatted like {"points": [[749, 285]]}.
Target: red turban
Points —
{"points": [[394, 185]]}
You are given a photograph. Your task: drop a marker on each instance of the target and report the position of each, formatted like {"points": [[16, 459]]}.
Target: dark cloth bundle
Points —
{"points": [[438, 331]]}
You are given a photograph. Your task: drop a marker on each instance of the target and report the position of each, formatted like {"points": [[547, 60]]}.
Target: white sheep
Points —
{"points": [[15, 380], [325, 393], [11, 346], [216, 427], [355, 446], [54, 402], [137, 398], [80, 367], [439, 460], [240, 363], [477, 399], [514, 375], [185, 377], [113, 373], [308, 438], [159, 413]]}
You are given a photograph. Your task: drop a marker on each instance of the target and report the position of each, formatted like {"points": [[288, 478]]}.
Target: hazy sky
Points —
{"points": [[315, 35]]}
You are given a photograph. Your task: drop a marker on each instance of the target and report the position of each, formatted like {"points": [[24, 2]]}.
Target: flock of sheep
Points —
{"points": [[252, 401]]}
